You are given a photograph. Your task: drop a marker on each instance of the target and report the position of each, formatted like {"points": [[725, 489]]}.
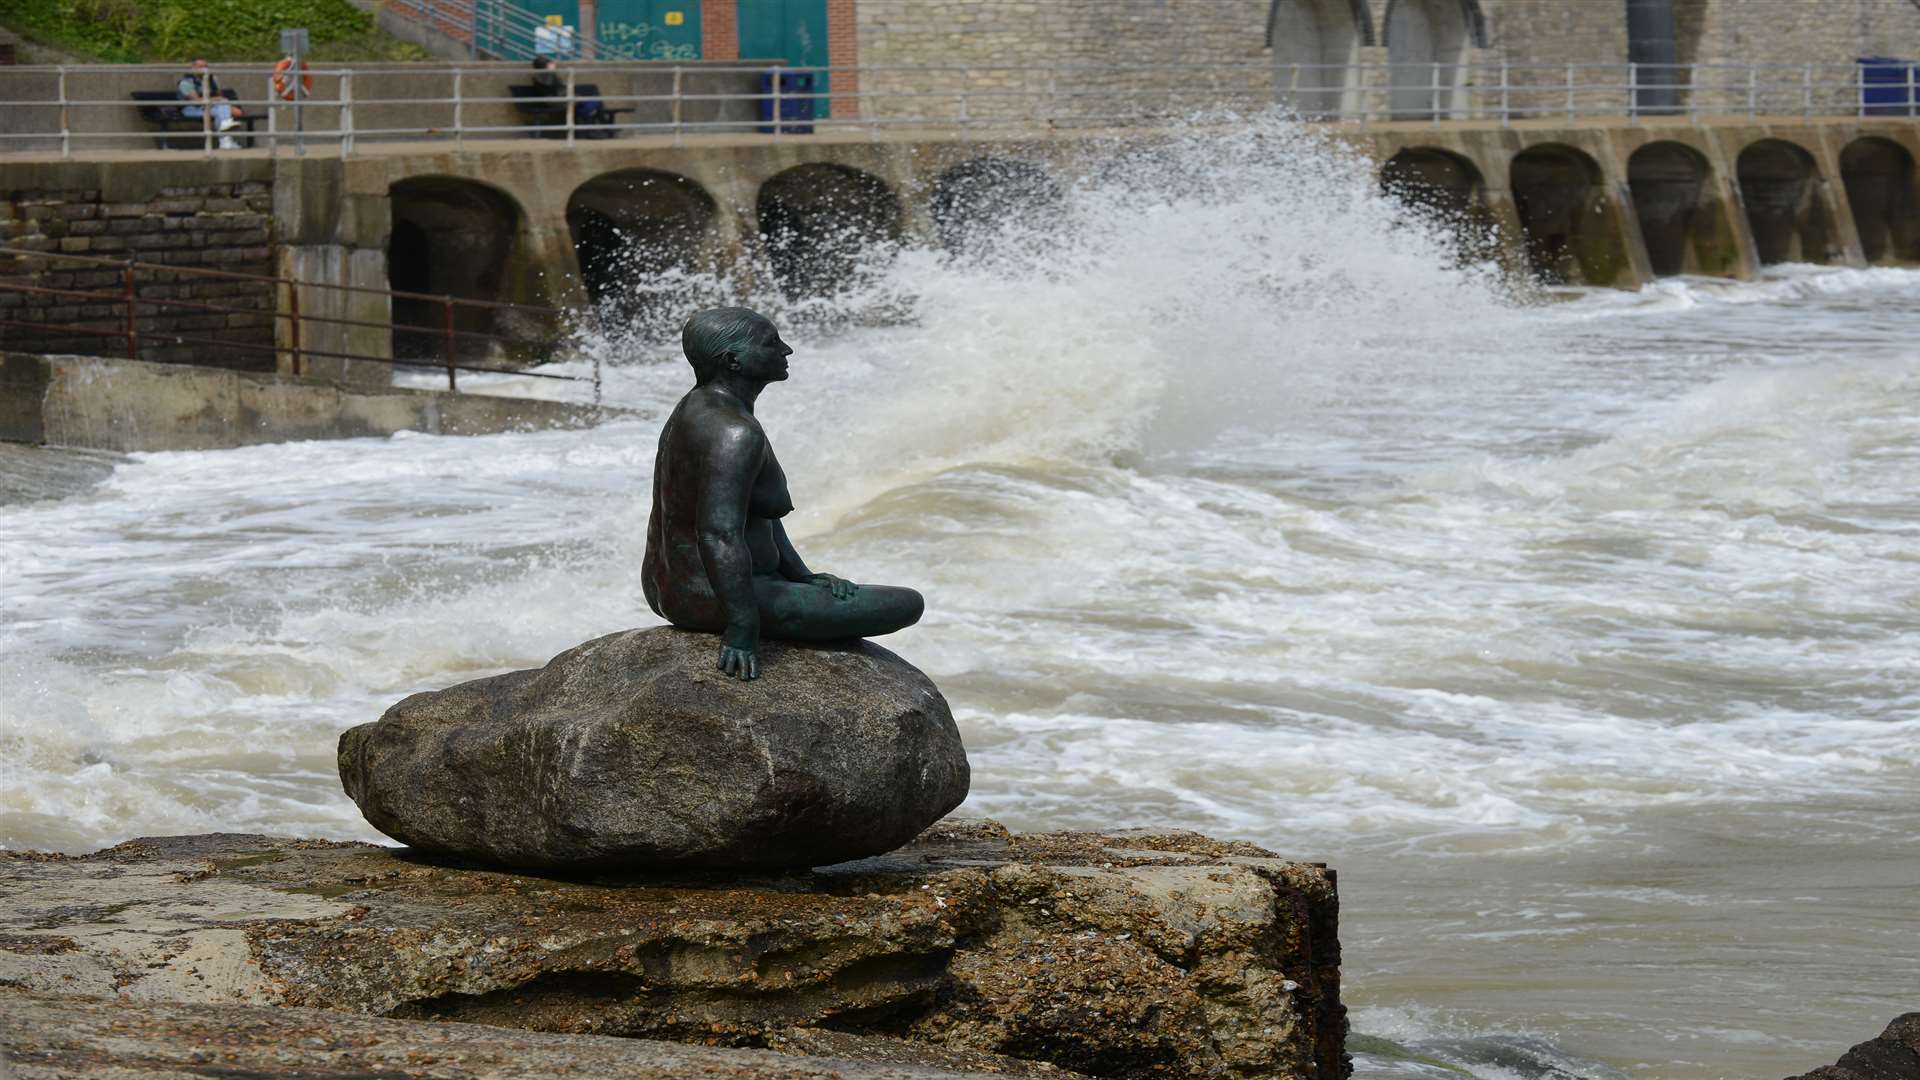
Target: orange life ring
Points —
{"points": [[283, 85]]}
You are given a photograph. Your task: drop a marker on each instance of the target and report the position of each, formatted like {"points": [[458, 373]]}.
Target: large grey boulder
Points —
{"points": [[632, 752]]}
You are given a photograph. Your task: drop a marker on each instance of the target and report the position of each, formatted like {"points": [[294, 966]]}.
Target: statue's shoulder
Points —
{"points": [[718, 423]]}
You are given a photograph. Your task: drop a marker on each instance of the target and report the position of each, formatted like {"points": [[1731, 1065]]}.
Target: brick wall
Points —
{"points": [[720, 30], [221, 226], [843, 50]]}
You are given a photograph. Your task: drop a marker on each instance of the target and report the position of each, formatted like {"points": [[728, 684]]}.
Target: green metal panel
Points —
{"points": [[650, 29], [790, 30]]}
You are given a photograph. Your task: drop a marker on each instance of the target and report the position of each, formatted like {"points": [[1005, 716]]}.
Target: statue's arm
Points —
{"points": [[793, 569], [733, 457]]}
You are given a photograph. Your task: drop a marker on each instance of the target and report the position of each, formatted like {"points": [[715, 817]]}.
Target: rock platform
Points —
{"points": [[971, 950]]}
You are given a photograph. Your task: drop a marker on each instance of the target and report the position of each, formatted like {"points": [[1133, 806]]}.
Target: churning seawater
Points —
{"points": [[1579, 632]]}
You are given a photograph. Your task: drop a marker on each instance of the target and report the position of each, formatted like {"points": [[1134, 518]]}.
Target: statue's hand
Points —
{"points": [[741, 662], [840, 587]]}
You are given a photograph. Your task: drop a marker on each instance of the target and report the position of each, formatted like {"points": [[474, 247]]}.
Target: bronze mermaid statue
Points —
{"points": [[718, 559]]}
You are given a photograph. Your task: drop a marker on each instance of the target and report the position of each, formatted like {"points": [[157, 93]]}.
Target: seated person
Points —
{"points": [[201, 90], [547, 80]]}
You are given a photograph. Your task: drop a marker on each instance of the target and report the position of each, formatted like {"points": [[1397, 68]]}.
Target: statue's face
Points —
{"points": [[764, 356]]}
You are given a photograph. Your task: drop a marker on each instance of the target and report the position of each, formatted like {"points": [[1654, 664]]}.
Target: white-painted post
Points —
{"points": [[677, 71], [66, 127], [1506, 104], [1570, 109], [206, 114], [346, 113], [1806, 90], [1633, 90], [459, 109], [1753, 90], [572, 74], [273, 126], [1436, 94], [1913, 82], [778, 128]]}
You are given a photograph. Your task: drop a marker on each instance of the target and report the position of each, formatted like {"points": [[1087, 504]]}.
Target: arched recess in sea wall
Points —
{"points": [[1881, 191], [1683, 219], [1427, 45], [634, 231], [1448, 187], [977, 201], [1571, 227], [1780, 188], [821, 222], [1315, 44], [451, 237]]}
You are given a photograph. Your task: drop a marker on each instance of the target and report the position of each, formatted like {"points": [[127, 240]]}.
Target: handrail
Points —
{"points": [[125, 325], [355, 106]]}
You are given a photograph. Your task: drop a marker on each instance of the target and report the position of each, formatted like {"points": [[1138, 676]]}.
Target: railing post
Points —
{"points": [[66, 127], [293, 320], [1569, 91], [206, 115], [1806, 89], [459, 109], [778, 128], [961, 97], [1436, 94], [451, 344], [596, 377], [1506, 102], [133, 314], [1633, 90], [676, 122], [346, 113], [1753, 90], [571, 76], [1053, 103]]}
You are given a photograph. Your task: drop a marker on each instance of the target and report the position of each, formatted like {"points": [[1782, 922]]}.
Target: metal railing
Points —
{"points": [[459, 103], [130, 312]]}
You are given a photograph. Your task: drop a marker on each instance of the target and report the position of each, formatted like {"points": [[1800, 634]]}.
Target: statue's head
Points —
{"points": [[713, 335]]}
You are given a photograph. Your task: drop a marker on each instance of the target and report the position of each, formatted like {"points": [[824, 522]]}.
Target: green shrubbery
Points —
{"points": [[131, 31]]}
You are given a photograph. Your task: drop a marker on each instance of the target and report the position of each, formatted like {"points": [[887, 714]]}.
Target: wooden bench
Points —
{"points": [[165, 111], [541, 107]]}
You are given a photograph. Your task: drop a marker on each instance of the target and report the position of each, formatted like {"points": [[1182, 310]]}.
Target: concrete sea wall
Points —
{"points": [[125, 405]]}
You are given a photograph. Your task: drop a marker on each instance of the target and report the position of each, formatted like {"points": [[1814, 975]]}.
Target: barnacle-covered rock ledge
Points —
{"points": [[970, 951]]}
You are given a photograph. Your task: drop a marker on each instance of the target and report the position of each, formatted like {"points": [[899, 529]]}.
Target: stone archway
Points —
{"points": [[1681, 217], [1315, 44], [975, 200], [631, 228], [1572, 235], [1448, 187], [450, 237], [1426, 45], [819, 222], [1780, 185], [1879, 178]]}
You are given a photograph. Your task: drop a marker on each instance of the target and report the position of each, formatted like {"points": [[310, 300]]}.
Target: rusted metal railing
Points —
{"points": [[23, 272]]}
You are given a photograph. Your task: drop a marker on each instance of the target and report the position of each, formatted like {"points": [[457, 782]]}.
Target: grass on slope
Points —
{"points": [[172, 31]]}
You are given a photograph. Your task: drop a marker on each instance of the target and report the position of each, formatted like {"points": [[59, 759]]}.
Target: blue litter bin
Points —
{"points": [[1887, 87], [796, 103]]}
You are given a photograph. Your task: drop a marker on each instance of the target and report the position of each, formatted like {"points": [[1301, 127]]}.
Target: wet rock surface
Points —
{"points": [[1895, 1055], [632, 752], [1123, 955], [62, 1037]]}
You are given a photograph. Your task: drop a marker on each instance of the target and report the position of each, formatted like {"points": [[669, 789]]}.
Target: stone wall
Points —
{"points": [[206, 219], [1051, 52]]}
